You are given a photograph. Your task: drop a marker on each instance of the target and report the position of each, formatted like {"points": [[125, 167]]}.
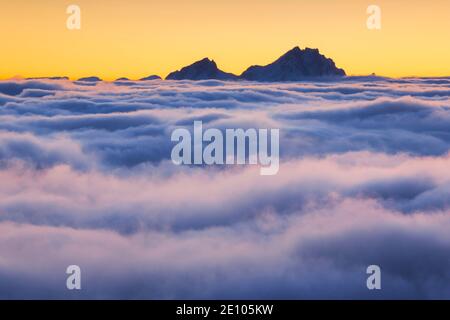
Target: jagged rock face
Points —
{"points": [[201, 70], [295, 65], [152, 77]]}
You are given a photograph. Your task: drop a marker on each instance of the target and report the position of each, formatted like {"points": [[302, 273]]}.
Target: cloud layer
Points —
{"points": [[86, 179]]}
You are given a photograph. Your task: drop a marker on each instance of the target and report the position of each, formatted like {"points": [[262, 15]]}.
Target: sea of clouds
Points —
{"points": [[86, 179]]}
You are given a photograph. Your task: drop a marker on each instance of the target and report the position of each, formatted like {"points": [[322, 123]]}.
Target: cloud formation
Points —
{"points": [[86, 178]]}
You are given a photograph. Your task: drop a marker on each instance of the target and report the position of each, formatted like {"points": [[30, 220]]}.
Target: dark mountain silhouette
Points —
{"points": [[201, 70], [152, 77], [48, 78], [90, 79], [294, 65]]}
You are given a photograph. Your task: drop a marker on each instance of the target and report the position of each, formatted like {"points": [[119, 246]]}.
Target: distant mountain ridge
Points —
{"points": [[294, 65], [49, 78], [201, 70], [152, 77], [90, 79]]}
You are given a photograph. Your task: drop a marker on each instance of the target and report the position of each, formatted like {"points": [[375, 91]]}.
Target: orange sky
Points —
{"points": [[135, 38]]}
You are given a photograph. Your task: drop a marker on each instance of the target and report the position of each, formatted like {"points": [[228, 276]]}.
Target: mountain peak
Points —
{"points": [[296, 49], [151, 77], [90, 79], [201, 70], [294, 65], [207, 61], [294, 53]]}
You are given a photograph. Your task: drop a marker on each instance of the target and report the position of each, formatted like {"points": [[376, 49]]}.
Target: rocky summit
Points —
{"points": [[152, 77], [295, 65], [201, 70]]}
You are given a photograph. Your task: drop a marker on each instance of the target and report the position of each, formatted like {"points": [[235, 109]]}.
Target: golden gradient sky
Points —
{"points": [[135, 38]]}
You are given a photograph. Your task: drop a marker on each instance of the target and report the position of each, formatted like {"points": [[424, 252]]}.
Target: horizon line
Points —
{"points": [[108, 79]]}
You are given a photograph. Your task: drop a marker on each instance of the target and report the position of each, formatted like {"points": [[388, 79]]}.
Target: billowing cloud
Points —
{"points": [[86, 178]]}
